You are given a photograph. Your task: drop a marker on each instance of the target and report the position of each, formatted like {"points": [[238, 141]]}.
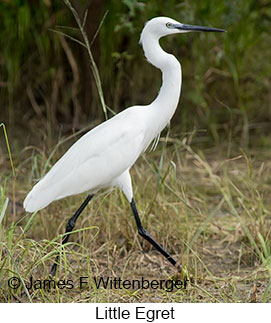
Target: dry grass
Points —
{"points": [[210, 209]]}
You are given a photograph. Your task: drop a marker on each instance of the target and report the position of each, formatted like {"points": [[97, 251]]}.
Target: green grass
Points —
{"points": [[211, 210], [226, 77]]}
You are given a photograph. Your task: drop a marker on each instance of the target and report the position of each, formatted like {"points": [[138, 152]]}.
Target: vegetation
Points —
{"points": [[204, 193]]}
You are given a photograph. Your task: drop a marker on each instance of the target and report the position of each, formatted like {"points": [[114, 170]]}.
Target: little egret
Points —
{"points": [[103, 157]]}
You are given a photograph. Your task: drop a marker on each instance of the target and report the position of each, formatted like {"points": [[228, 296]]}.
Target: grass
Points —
{"points": [[208, 208], [225, 76]]}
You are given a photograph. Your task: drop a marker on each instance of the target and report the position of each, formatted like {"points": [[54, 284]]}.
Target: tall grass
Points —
{"points": [[210, 211], [225, 77]]}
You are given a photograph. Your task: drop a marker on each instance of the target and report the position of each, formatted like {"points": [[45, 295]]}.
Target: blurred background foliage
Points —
{"points": [[46, 82]]}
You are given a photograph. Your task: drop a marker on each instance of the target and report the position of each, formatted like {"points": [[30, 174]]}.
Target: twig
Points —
{"points": [[68, 36], [93, 64], [98, 29], [75, 72]]}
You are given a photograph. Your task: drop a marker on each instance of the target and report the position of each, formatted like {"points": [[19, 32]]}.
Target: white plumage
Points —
{"points": [[103, 156]]}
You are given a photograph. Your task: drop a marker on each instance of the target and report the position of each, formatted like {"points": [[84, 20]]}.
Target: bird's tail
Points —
{"points": [[38, 198]]}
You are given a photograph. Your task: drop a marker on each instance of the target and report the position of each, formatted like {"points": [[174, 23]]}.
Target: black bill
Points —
{"points": [[197, 28]]}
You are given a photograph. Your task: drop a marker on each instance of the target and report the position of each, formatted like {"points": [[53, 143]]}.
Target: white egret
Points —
{"points": [[103, 157]]}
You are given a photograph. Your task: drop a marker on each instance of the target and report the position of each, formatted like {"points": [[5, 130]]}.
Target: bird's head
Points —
{"points": [[162, 26]]}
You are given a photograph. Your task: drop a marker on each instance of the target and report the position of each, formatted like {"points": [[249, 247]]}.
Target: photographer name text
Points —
{"points": [[98, 283]]}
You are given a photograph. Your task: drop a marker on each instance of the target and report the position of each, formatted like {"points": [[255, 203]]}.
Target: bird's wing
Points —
{"points": [[94, 161]]}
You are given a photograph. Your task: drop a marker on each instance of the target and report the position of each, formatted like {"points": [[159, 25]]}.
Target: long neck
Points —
{"points": [[165, 104]]}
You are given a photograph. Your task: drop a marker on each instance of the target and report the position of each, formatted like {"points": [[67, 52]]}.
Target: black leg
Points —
{"points": [[69, 228], [145, 234]]}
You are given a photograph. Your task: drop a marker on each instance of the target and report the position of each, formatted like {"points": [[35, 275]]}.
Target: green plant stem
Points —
{"points": [[93, 64], [8, 147]]}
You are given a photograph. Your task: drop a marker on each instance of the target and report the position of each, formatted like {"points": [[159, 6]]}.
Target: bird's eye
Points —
{"points": [[169, 24]]}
